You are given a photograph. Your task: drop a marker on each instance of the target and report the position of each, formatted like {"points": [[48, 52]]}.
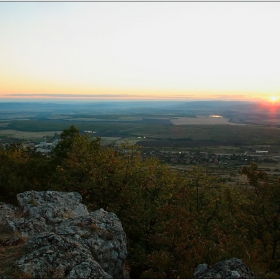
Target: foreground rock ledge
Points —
{"points": [[64, 240], [229, 269]]}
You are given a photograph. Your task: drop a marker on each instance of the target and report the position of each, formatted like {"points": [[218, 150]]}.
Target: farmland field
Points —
{"points": [[25, 135], [189, 124], [153, 131], [200, 120]]}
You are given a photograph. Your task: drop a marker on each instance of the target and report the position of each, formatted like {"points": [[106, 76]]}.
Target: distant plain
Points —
{"points": [[159, 123]]}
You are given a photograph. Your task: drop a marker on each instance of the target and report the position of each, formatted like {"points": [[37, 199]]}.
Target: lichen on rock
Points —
{"points": [[64, 239]]}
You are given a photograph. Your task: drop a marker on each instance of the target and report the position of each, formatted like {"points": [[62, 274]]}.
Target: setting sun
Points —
{"points": [[273, 98]]}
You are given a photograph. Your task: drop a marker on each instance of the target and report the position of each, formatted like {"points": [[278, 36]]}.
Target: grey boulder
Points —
{"points": [[64, 240], [228, 269]]}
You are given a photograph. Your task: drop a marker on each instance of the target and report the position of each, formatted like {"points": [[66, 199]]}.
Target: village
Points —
{"points": [[208, 159], [212, 157], [43, 147]]}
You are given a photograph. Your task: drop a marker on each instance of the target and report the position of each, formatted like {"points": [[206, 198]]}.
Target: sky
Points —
{"points": [[140, 50]]}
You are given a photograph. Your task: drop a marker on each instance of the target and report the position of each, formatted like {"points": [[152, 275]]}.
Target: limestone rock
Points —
{"points": [[52, 206], [8, 213], [228, 269], [65, 240]]}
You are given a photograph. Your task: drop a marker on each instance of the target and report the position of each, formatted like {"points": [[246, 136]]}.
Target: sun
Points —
{"points": [[273, 98]]}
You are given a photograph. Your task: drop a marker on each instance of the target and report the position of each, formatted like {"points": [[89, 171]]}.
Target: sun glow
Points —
{"points": [[273, 98]]}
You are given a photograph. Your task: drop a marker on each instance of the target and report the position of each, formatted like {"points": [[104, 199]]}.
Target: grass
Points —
{"points": [[109, 140], [9, 253], [130, 140], [26, 134]]}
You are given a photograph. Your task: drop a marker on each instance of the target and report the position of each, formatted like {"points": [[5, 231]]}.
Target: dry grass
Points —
{"points": [[10, 252], [69, 215], [8, 255], [94, 227], [5, 237]]}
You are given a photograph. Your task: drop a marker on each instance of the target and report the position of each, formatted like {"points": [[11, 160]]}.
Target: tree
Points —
{"points": [[120, 181], [67, 136], [258, 215], [192, 227], [174, 221]]}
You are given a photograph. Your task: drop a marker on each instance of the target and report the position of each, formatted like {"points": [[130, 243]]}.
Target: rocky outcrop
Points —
{"points": [[229, 269], [64, 240]]}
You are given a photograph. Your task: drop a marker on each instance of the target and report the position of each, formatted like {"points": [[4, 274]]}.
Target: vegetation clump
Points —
{"points": [[173, 221]]}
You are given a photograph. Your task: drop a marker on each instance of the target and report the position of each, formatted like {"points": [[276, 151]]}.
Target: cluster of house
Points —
{"points": [[185, 157], [42, 147], [190, 158]]}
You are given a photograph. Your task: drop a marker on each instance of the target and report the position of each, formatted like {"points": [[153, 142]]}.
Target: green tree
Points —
{"points": [[258, 215], [21, 170], [67, 136], [120, 181]]}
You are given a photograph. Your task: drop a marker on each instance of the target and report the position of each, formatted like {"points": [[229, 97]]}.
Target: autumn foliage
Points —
{"points": [[174, 221]]}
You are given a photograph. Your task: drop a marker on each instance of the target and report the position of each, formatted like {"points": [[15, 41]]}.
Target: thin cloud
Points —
{"points": [[95, 96], [47, 95]]}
